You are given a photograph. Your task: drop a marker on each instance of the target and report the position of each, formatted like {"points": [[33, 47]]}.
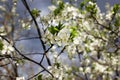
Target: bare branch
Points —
{"points": [[35, 75], [25, 57]]}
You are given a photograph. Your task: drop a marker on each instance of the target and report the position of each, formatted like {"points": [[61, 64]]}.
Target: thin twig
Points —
{"points": [[25, 57], [97, 22], [33, 53], [4, 64], [61, 51], [37, 26], [45, 54], [27, 38], [38, 30], [35, 75]]}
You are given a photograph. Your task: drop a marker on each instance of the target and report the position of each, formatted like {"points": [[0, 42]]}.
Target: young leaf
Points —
{"points": [[60, 26], [55, 29], [57, 64], [59, 9], [73, 33], [87, 49], [116, 8], [35, 12], [35, 78], [40, 77], [82, 4], [1, 45]]}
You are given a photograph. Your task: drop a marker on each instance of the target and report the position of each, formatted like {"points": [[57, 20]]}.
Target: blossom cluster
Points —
{"points": [[86, 30]]}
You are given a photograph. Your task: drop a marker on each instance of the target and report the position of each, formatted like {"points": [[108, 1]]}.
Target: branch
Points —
{"points": [[38, 30], [35, 75], [97, 22], [33, 53], [28, 38], [25, 57], [45, 54], [4, 65], [9, 76], [61, 51], [101, 63], [37, 26], [97, 37]]}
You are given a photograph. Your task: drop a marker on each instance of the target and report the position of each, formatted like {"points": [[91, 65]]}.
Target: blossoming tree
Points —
{"points": [[78, 42]]}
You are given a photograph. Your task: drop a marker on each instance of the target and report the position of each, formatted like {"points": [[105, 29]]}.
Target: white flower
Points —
{"points": [[2, 8], [54, 47], [62, 37], [114, 61], [81, 69], [88, 70], [10, 48], [71, 9], [71, 49], [13, 9], [53, 22], [3, 0], [100, 68], [75, 14], [94, 45], [49, 67], [52, 8], [4, 31], [77, 40], [7, 48], [20, 78], [87, 25], [26, 25], [109, 15], [3, 51], [80, 16], [91, 3], [55, 56]]}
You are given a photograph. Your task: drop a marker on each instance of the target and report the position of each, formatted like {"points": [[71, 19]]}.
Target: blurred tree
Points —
{"points": [[78, 41]]}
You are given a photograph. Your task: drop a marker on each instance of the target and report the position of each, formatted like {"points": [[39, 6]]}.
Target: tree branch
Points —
{"points": [[25, 57]]}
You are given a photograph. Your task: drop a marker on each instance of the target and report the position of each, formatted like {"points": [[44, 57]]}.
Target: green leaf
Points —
{"points": [[61, 5], [93, 66], [82, 4], [59, 9], [116, 8], [60, 26], [1, 45], [35, 78], [91, 8], [86, 1], [57, 64], [73, 33], [55, 29], [40, 77], [94, 1], [87, 49], [35, 12], [117, 22]]}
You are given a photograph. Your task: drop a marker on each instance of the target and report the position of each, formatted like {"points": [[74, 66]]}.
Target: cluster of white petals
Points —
{"points": [[84, 32], [7, 48]]}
